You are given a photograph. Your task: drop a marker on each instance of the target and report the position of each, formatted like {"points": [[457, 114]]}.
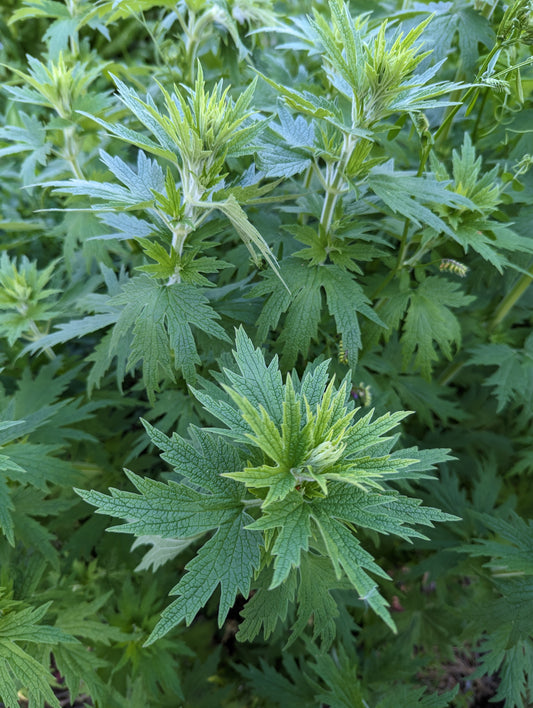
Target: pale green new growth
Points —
{"points": [[24, 298], [197, 132], [58, 86], [303, 476], [309, 448], [348, 185]]}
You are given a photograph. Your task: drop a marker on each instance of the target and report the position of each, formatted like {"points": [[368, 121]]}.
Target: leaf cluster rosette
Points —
{"points": [[299, 477]]}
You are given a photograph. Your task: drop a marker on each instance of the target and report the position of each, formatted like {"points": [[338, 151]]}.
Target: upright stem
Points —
{"points": [[37, 334], [71, 151], [449, 372], [155, 44], [444, 128], [195, 31], [479, 114], [449, 113], [74, 47], [335, 184], [179, 236], [403, 239], [399, 264], [302, 217], [508, 302], [192, 194], [511, 298]]}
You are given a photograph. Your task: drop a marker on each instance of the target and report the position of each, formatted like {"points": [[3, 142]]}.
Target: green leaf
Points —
{"points": [[267, 607], [6, 504], [513, 378], [339, 671], [17, 666], [158, 318], [175, 510], [345, 300], [347, 555], [286, 148], [78, 665], [466, 24], [29, 672], [24, 626], [169, 510], [138, 190], [507, 644], [162, 550], [228, 559], [316, 604], [30, 138], [248, 233], [430, 319], [273, 686], [292, 516], [303, 317], [418, 698], [511, 555], [366, 434], [259, 383], [73, 329], [407, 194]]}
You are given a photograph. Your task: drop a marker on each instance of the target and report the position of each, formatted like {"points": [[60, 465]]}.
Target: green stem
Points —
{"points": [[308, 176], [479, 114], [335, 187], [450, 372], [190, 51], [192, 194], [444, 128], [320, 176], [511, 298], [37, 334], [399, 264], [74, 49], [403, 239], [449, 114], [155, 44], [71, 151], [403, 247], [382, 287], [302, 217], [195, 32], [251, 502], [422, 250], [489, 9], [508, 302]]}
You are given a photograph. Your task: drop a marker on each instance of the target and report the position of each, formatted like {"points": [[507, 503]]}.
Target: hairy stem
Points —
{"points": [[335, 186], [195, 31], [37, 334], [71, 151], [192, 194]]}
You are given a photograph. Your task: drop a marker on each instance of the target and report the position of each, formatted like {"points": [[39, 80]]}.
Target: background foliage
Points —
{"points": [[297, 184]]}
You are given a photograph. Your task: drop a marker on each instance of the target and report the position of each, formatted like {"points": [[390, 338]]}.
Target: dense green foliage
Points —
{"points": [[274, 258]]}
